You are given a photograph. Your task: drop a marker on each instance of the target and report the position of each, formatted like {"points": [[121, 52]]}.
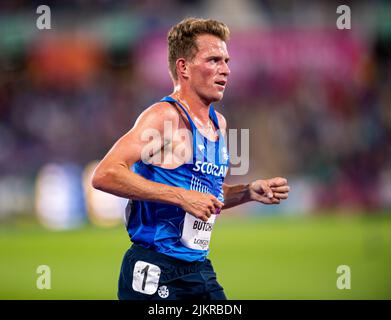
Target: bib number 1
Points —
{"points": [[145, 277]]}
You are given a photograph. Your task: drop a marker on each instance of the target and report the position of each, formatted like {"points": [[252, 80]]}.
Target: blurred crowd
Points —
{"points": [[317, 100]]}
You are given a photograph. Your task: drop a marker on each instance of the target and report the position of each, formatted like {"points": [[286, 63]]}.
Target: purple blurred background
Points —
{"points": [[316, 99]]}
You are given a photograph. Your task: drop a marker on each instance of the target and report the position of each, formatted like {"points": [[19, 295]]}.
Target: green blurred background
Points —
{"points": [[316, 101], [258, 258]]}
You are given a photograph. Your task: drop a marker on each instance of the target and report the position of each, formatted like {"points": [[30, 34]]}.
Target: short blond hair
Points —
{"points": [[182, 38]]}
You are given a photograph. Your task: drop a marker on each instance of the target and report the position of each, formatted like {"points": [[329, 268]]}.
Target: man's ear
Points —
{"points": [[182, 68]]}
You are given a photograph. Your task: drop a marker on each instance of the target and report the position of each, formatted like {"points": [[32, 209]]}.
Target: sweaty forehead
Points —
{"points": [[208, 44]]}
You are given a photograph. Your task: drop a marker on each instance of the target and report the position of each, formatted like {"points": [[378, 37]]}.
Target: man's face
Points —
{"points": [[208, 71]]}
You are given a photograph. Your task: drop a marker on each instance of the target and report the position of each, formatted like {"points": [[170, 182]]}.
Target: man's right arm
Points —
{"points": [[113, 174]]}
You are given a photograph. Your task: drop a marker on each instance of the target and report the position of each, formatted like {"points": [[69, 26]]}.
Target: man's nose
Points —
{"points": [[225, 69]]}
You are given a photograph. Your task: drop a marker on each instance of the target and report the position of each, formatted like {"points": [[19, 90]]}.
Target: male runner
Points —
{"points": [[175, 184]]}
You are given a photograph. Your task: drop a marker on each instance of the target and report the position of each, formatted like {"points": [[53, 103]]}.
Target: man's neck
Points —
{"points": [[192, 102]]}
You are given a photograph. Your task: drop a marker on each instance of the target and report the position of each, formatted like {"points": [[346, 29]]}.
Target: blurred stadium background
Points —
{"points": [[316, 99]]}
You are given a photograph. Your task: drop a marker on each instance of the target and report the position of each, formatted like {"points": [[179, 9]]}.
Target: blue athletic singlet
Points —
{"points": [[169, 229]]}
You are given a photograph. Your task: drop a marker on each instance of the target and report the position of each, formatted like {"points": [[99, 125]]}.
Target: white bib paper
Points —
{"points": [[145, 277], [196, 233]]}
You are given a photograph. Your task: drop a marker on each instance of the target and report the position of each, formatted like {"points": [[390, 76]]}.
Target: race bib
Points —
{"points": [[145, 277], [196, 233]]}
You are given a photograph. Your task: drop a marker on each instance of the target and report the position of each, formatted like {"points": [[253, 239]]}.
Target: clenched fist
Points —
{"points": [[200, 205], [270, 191]]}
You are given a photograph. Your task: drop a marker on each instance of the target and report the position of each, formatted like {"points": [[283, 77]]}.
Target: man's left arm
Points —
{"points": [[270, 191]]}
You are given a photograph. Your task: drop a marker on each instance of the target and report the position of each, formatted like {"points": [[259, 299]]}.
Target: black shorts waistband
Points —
{"points": [[155, 254]]}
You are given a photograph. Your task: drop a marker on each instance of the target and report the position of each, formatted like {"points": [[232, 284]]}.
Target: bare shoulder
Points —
{"points": [[161, 110], [222, 121], [155, 115]]}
